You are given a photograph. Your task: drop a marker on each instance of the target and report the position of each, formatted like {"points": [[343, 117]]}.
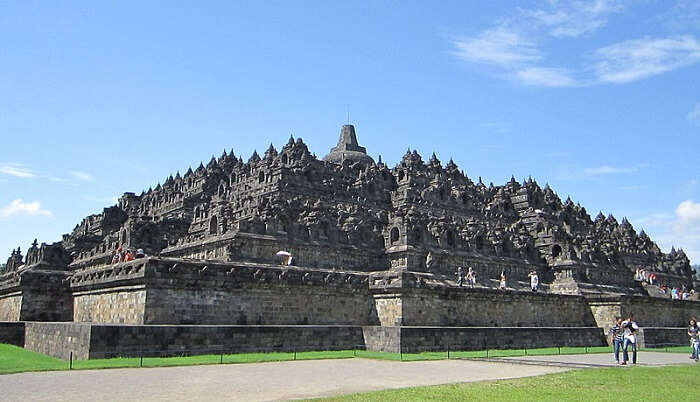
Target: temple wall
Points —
{"points": [[12, 333], [262, 248], [486, 307], [118, 305], [58, 339], [419, 339], [653, 337], [10, 307], [648, 311], [49, 304], [257, 305], [389, 309]]}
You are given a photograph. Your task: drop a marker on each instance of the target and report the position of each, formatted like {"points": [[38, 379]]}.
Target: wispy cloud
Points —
{"points": [[515, 48], [573, 18], [546, 77], [694, 115], [608, 170], [680, 228], [636, 59], [84, 176], [19, 207], [573, 173], [633, 187], [500, 46], [16, 170]]}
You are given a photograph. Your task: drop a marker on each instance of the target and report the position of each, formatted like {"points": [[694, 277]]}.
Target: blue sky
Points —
{"points": [[601, 99]]}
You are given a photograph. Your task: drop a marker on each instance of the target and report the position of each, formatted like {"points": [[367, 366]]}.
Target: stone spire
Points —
{"points": [[348, 148]]}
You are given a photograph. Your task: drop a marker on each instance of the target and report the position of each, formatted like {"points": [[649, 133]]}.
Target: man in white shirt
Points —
{"points": [[630, 328], [534, 281]]}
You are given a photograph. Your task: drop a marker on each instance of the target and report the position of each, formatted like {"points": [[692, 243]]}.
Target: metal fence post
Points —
{"points": [[487, 353], [221, 360], [70, 364], [295, 354], [559, 349], [448, 351], [140, 358]]}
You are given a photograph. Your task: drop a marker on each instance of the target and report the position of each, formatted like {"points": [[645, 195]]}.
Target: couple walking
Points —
{"points": [[623, 334]]}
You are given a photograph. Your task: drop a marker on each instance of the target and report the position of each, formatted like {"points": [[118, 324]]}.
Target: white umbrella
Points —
{"points": [[282, 253]]}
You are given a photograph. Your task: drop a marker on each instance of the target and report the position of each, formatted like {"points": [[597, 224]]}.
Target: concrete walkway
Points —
{"points": [[275, 381]]}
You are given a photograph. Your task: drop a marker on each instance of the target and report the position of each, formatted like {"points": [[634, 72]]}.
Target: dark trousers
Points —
{"points": [[625, 356], [617, 345]]}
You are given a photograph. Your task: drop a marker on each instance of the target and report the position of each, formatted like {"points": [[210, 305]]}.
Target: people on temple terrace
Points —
{"points": [[534, 281], [471, 277], [460, 276], [502, 282]]}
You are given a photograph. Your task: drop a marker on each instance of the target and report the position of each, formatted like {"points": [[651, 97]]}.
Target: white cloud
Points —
{"points": [[641, 58], [82, 176], [694, 115], [573, 18], [607, 170], [546, 77], [16, 170], [500, 46], [575, 173], [19, 207], [680, 229], [633, 187], [688, 212], [515, 47]]}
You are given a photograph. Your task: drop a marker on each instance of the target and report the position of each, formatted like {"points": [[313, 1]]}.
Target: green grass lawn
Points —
{"points": [[14, 359], [672, 383]]}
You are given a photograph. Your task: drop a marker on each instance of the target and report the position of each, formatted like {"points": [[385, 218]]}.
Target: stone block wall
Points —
{"points": [[58, 339], [46, 304], [419, 339], [91, 341], [486, 307], [257, 305], [118, 305], [648, 311], [651, 337], [389, 309], [12, 333], [10, 306]]}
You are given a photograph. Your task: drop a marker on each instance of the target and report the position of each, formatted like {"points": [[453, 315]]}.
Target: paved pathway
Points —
{"points": [[280, 380]]}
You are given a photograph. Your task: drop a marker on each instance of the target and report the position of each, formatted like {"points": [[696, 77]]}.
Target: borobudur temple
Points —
{"points": [[292, 251]]}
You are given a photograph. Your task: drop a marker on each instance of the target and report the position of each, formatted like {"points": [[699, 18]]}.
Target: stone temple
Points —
{"points": [[374, 254]]}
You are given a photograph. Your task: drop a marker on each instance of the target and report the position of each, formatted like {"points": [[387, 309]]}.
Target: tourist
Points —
{"points": [[616, 338], [630, 338], [652, 278], [471, 277], [693, 332], [637, 275], [129, 255], [502, 284], [460, 276], [116, 255], [140, 253], [534, 280]]}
